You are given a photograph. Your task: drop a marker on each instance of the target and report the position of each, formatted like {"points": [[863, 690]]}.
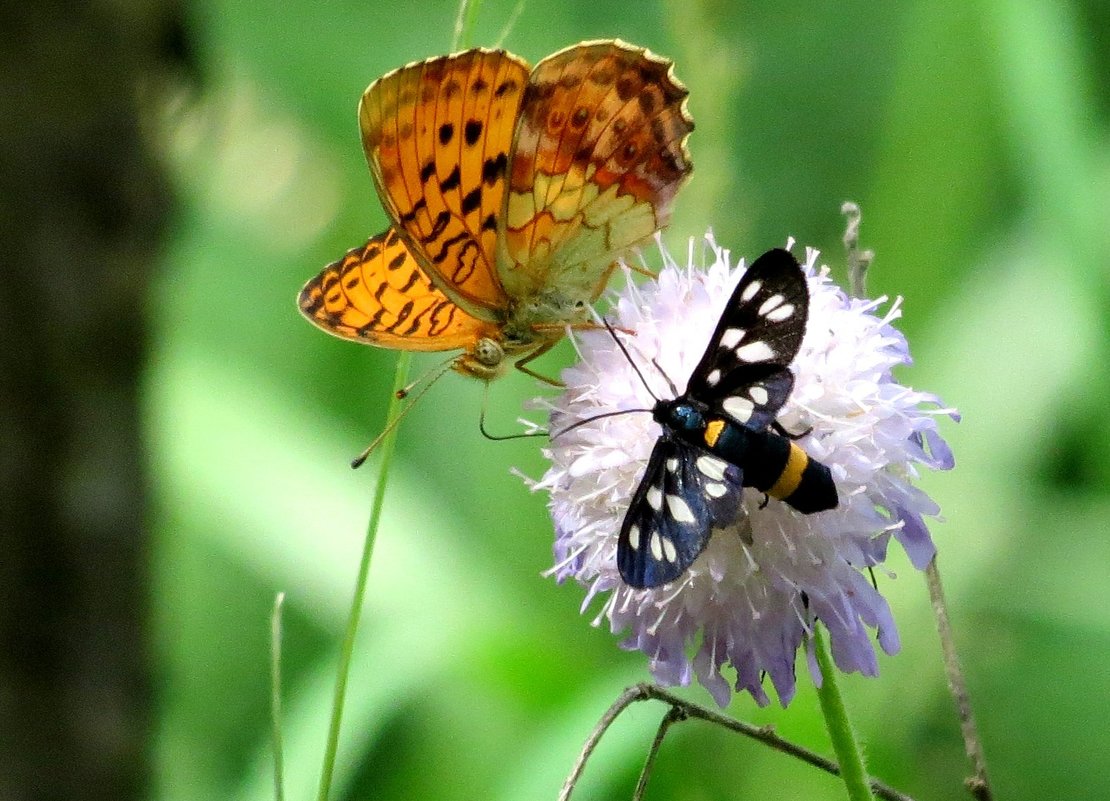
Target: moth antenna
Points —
{"points": [[573, 426], [624, 350], [667, 378], [359, 460]]}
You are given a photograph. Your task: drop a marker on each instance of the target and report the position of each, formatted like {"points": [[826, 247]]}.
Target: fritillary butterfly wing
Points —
{"points": [[377, 293], [599, 155], [437, 135]]}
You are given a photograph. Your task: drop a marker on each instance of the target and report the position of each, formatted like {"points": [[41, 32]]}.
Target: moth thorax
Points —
{"points": [[486, 361], [682, 417]]}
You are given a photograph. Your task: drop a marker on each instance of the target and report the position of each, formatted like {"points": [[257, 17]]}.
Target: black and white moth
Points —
{"points": [[720, 435]]}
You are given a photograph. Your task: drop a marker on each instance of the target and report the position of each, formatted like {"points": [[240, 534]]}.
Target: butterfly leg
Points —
{"points": [[641, 268], [521, 363]]}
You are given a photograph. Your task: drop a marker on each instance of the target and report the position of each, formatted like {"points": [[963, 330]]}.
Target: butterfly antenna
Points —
{"points": [[359, 460], [624, 350], [500, 437]]}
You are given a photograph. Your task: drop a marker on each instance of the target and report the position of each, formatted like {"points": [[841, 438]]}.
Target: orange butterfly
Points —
{"points": [[511, 193]]}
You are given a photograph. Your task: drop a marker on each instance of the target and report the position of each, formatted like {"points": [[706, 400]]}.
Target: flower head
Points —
{"points": [[750, 599]]}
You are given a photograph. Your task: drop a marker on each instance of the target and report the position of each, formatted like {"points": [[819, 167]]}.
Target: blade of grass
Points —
{"points": [[399, 380]]}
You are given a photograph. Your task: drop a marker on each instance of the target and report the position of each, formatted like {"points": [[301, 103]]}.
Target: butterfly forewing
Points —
{"points": [[743, 372], [437, 136], [684, 493]]}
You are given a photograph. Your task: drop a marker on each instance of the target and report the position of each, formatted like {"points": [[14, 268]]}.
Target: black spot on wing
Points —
{"points": [[472, 200], [493, 169], [472, 132], [451, 182]]}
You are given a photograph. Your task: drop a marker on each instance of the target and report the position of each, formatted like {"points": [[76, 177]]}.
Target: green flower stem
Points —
{"points": [[852, 769], [399, 380]]}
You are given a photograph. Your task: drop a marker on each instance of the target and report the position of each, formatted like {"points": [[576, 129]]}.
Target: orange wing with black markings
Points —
{"points": [[378, 294], [511, 194], [437, 136], [599, 155]]}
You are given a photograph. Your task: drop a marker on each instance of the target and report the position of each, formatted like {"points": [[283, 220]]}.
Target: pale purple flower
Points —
{"points": [[750, 600]]}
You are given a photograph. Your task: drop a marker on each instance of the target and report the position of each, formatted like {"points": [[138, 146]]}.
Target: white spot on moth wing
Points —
{"points": [[739, 408], [656, 545], [655, 498], [781, 313], [751, 290], [771, 303], [759, 394], [670, 553], [715, 490], [633, 537], [755, 352], [713, 378], [672, 464], [711, 467], [679, 509], [731, 338]]}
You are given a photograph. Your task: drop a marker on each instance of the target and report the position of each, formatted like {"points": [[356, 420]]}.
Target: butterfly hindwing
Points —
{"points": [[743, 373], [378, 293], [599, 155], [684, 493]]}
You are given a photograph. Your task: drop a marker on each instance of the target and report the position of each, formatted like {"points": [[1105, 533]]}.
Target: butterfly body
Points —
{"points": [[717, 437], [512, 192]]}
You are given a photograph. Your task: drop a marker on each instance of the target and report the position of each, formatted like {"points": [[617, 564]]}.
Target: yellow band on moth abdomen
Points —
{"points": [[791, 474], [713, 432]]}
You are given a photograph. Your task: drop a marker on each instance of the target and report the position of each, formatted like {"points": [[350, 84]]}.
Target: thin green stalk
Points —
{"points": [[399, 380], [464, 23], [852, 769], [275, 696], [979, 785], [510, 23]]}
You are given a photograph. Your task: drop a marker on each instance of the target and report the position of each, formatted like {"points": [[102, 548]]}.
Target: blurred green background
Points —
{"points": [[974, 136]]}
